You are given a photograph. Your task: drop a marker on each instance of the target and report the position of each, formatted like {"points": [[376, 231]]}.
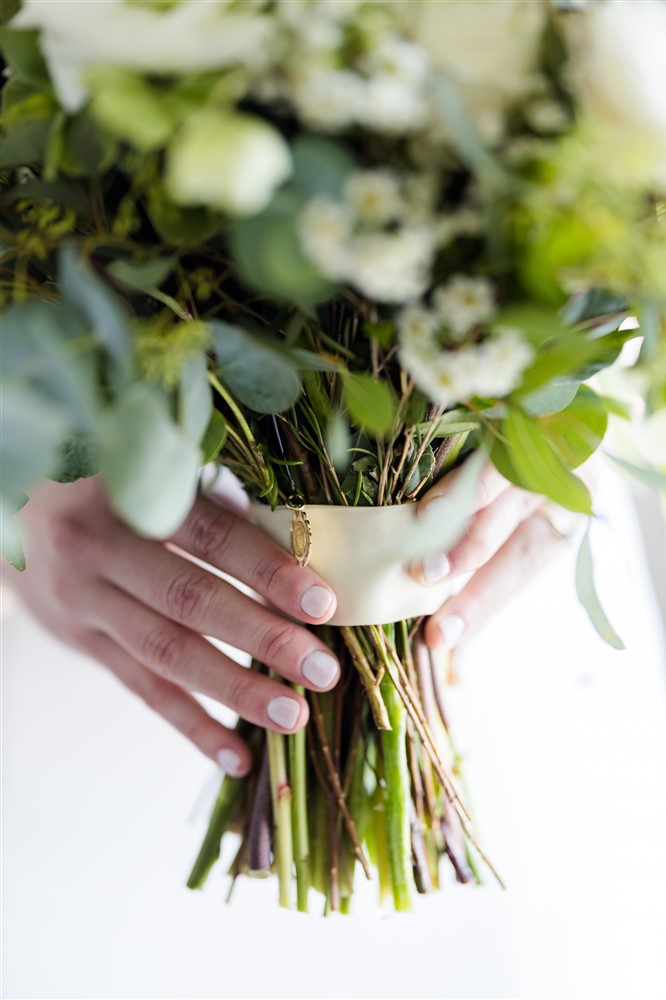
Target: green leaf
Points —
{"points": [[536, 465], [62, 192], [142, 275], [578, 430], [87, 151], [644, 474], [195, 398], [338, 441], [10, 535], [260, 376], [215, 437], [320, 166], [22, 52], [77, 458], [371, 403], [24, 146], [549, 398], [588, 597], [32, 430], [268, 254], [176, 225], [101, 308], [309, 361], [130, 109], [149, 466]]}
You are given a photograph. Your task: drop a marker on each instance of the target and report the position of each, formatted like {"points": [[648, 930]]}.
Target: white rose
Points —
{"points": [[189, 38], [618, 65], [490, 48], [233, 162]]}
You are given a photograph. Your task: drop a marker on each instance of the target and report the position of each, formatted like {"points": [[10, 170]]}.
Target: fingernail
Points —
{"points": [[438, 506], [451, 628], [435, 567], [283, 711], [320, 668], [230, 762], [316, 601]]}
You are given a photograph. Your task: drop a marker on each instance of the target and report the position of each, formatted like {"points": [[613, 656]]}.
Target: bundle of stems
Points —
{"points": [[372, 782]]}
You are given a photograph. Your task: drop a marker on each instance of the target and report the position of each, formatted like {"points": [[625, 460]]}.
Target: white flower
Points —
{"points": [[619, 68], [190, 37], [505, 356], [390, 105], [394, 266], [325, 228], [233, 162], [490, 49], [397, 57], [374, 195], [547, 115], [464, 303], [417, 327], [328, 99]]}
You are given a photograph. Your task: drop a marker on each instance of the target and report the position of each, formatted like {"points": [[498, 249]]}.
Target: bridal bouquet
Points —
{"points": [[339, 247]]}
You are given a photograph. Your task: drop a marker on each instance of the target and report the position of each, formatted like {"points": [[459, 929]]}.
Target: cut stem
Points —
{"points": [[397, 798], [281, 793], [299, 814]]}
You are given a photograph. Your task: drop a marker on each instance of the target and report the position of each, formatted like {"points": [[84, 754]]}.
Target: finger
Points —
{"points": [[219, 537], [527, 550], [178, 707], [490, 485], [191, 596], [487, 532], [177, 655]]}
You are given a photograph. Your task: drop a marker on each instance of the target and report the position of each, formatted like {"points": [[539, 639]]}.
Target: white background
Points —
{"points": [[565, 746]]}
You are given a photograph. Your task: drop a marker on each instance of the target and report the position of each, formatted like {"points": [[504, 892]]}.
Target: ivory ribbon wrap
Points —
{"points": [[358, 552]]}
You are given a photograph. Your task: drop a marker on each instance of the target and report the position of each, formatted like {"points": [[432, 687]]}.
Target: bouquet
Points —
{"points": [[339, 248]]}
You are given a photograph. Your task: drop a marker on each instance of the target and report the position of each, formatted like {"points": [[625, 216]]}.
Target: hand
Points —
{"points": [[508, 539], [142, 609]]}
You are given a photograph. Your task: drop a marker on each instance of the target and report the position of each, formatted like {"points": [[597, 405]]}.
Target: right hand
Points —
{"points": [[142, 610]]}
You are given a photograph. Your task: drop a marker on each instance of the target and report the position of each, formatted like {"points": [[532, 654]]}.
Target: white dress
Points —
{"points": [[565, 746]]}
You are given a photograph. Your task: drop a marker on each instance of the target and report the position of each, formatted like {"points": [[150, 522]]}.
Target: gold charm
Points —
{"points": [[301, 532]]}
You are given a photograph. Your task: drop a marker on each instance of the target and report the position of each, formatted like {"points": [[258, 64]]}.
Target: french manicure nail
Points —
{"points": [[320, 668], [316, 601], [435, 566], [451, 628], [230, 762], [283, 711]]}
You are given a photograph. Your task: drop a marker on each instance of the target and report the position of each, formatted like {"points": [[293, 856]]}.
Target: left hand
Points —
{"points": [[509, 538]]}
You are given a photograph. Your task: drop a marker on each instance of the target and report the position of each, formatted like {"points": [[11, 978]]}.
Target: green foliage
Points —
{"points": [[131, 109], [588, 596], [577, 430], [142, 275], [21, 51], [321, 166], [32, 429], [338, 441], [153, 482], [259, 375], [25, 145], [77, 458], [195, 398], [370, 402], [215, 437], [643, 474]]}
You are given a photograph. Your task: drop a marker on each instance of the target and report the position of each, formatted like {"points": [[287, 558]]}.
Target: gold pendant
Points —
{"points": [[301, 532]]}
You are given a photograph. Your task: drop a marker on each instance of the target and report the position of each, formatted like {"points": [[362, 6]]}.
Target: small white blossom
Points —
{"points": [[374, 195], [417, 326], [399, 58], [392, 267], [325, 228], [390, 105], [547, 115], [464, 303], [329, 99]]}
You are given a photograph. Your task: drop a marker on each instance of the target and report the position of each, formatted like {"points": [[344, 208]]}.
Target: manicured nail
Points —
{"points": [[316, 601], [230, 762], [320, 668], [283, 711], [452, 628], [439, 506], [435, 567]]}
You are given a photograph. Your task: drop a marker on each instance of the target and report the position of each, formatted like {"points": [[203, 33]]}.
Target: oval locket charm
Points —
{"points": [[301, 533]]}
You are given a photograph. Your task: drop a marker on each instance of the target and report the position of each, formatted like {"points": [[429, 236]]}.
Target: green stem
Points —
{"points": [[397, 796], [299, 811], [221, 816], [281, 793]]}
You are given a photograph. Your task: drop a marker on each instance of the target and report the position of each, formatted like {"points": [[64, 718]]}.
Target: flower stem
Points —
{"points": [[281, 792], [397, 797], [221, 816], [299, 813]]}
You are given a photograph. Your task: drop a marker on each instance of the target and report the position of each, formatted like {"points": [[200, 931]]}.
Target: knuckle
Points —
{"points": [[196, 730], [188, 596], [210, 533], [239, 691], [274, 642], [69, 537], [272, 575], [164, 649]]}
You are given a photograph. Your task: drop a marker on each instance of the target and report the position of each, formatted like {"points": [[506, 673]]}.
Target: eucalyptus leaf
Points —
{"points": [[195, 399], [22, 52], [309, 361], [77, 458], [25, 145], [644, 474], [215, 437], [10, 536], [320, 166], [338, 441], [587, 594], [101, 308], [549, 398], [370, 402], [537, 466], [149, 465], [61, 192], [32, 430], [142, 275], [577, 430], [262, 377]]}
